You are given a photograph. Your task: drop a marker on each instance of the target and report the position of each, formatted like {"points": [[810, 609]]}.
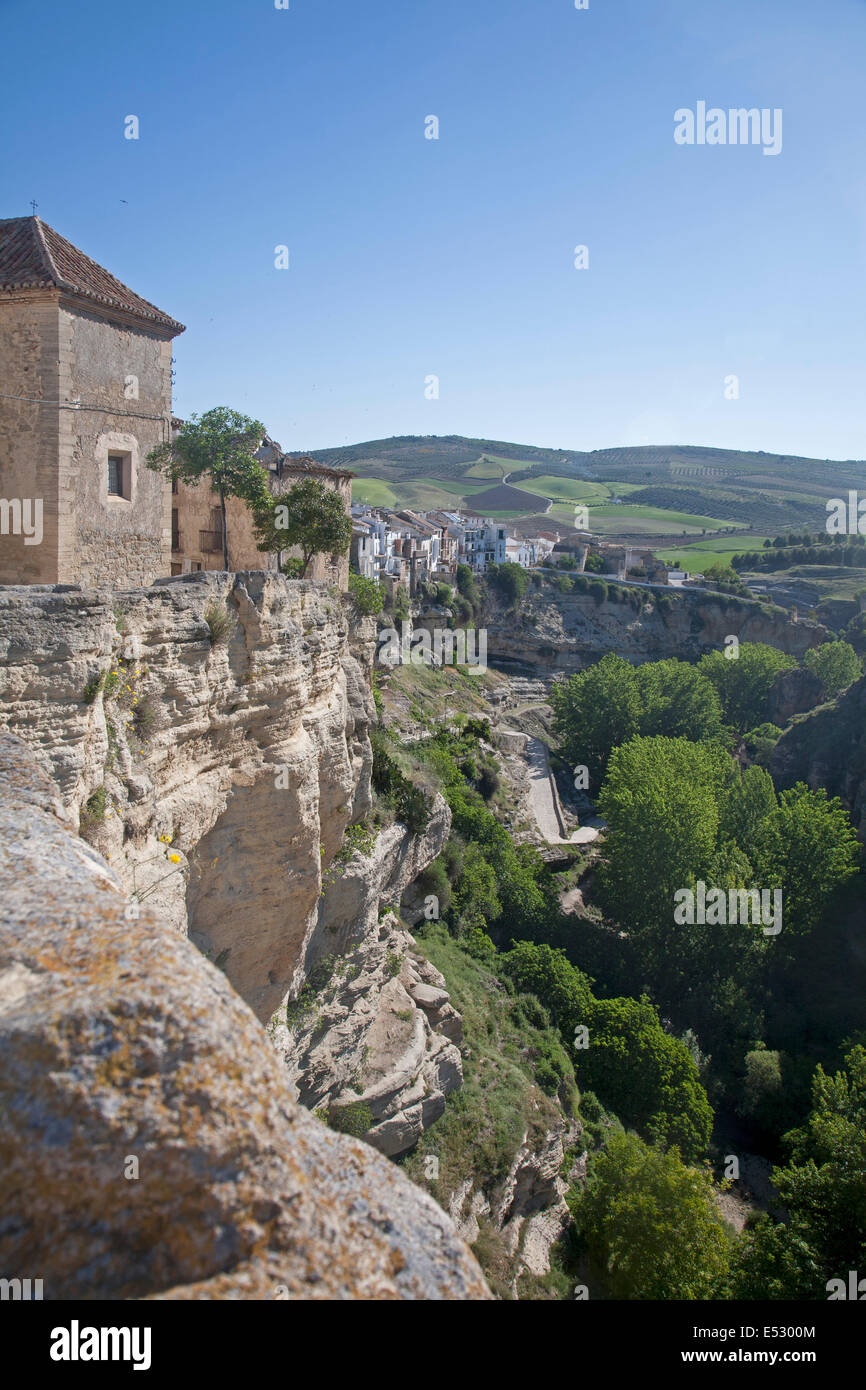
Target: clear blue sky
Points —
{"points": [[412, 257]]}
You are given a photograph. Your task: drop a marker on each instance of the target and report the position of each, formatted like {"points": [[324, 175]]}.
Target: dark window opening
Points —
{"points": [[115, 475]]}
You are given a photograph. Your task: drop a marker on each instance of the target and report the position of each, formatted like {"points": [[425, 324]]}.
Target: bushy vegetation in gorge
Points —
{"points": [[663, 1027]]}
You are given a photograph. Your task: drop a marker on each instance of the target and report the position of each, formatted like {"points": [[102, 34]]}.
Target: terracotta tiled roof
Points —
{"points": [[32, 255]]}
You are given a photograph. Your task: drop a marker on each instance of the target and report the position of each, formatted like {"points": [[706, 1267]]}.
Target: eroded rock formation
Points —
{"points": [[827, 748], [530, 1210], [150, 1145], [556, 632], [210, 736]]}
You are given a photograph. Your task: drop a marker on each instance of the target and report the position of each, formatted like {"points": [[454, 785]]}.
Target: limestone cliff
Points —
{"points": [[552, 632], [372, 1035], [150, 1145], [224, 746], [210, 736], [530, 1212], [827, 748]]}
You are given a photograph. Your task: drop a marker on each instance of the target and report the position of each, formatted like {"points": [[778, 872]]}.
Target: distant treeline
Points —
{"points": [[786, 551]]}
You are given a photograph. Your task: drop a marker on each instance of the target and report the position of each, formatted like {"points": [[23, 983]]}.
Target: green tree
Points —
{"points": [[763, 1099], [647, 1077], [311, 516], [467, 585], [749, 807], [760, 742], [743, 684], [547, 973], [218, 446], [594, 711], [368, 595], [809, 848], [476, 900], [660, 800], [836, 664], [598, 709], [510, 579], [678, 701], [651, 1225], [823, 1189]]}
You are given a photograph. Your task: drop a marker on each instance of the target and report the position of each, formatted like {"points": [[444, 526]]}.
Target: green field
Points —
{"points": [[493, 467], [419, 493], [769, 493], [830, 581], [693, 557], [564, 488], [670, 493], [490, 468], [457, 488], [634, 520], [373, 492]]}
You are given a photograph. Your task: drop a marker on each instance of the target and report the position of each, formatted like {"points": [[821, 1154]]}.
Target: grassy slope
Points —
{"points": [[679, 489], [485, 1121]]}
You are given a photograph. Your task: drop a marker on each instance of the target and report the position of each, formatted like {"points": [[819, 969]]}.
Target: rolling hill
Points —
{"points": [[651, 491]]}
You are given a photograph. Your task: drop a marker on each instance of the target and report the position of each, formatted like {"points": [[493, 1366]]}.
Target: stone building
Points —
{"points": [[196, 523], [85, 394]]}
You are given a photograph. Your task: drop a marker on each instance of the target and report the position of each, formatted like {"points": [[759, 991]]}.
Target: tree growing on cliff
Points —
{"points": [[310, 516], [367, 593], [836, 664], [218, 445], [743, 685], [509, 579]]}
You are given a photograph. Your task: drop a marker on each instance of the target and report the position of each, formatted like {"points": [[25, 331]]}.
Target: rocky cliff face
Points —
{"points": [[221, 756], [210, 736], [827, 748], [379, 1041], [377, 1036], [150, 1144], [564, 632], [530, 1212]]}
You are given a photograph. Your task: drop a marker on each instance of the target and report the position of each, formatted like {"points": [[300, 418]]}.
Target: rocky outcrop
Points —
{"points": [[793, 692], [555, 632], [225, 808], [378, 1042], [209, 734], [373, 1034], [827, 748], [150, 1145], [529, 1211]]}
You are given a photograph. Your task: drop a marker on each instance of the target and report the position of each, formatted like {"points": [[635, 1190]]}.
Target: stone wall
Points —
{"points": [[195, 509], [106, 539], [59, 353], [29, 432]]}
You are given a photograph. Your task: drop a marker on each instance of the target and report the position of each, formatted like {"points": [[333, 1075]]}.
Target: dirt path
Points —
{"points": [[541, 798]]}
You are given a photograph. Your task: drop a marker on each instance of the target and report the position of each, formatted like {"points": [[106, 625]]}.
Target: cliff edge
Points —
{"points": [[149, 1142]]}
